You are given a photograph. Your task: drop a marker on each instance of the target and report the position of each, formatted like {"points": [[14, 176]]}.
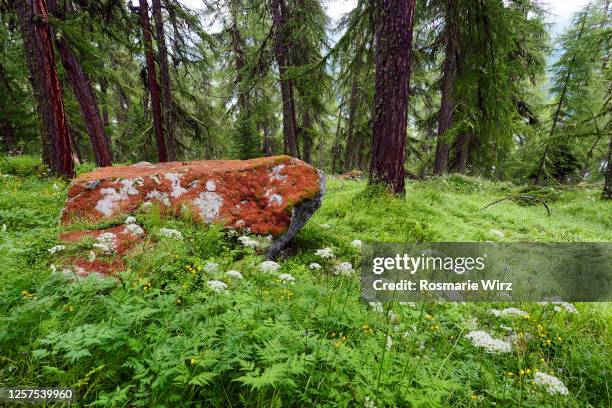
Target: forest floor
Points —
{"points": [[162, 336]]}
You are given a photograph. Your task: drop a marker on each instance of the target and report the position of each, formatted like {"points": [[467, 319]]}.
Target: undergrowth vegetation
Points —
{"points": [[166, 335]]}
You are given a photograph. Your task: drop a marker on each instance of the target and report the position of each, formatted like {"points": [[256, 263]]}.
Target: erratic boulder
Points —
{"points": [[265, 196]]}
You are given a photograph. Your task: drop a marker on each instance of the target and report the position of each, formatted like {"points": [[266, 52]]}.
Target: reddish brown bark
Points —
{"points": [[445, 115], [280, 53], [393, 49], [164, 72], [34, 20], [81, 86], [162, 153]]}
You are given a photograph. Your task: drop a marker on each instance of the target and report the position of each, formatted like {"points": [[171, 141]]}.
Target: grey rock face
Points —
{"points": [[300, 215]]}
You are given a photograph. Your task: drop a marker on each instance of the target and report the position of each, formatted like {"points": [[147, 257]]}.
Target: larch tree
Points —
{"points": [[81, 85], [40, 56], [393, 25], [449, 68], [282, 59], [158, 123], [166, 86]]}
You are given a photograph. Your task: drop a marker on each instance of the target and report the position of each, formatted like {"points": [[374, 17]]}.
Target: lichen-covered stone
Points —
{"points": [[109, 247], [260, 195]]}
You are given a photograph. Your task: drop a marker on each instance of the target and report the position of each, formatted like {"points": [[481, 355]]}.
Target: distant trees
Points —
{"points": [[582, 91], [467, 92]]}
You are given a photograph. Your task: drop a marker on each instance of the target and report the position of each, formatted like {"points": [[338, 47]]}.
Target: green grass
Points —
{"points": [[160, 337]]}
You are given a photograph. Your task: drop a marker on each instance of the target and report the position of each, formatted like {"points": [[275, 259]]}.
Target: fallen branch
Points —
{"points": [[521, 198]]}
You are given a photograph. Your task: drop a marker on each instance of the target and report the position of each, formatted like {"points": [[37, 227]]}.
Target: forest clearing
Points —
{"points": [[164, 336]]}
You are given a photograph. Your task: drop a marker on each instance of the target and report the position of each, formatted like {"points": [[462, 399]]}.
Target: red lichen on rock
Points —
{"points": [[257, 194], [106, 262]]}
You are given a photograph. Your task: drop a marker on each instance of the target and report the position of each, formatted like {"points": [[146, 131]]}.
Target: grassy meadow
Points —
{"points": [[291, 335]]}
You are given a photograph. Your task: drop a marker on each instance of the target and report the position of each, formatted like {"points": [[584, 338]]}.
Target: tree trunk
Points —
{"points": [[445, 115], [462, 151], [349, 153], [607, 191], [280, 53], [337, 148], [164, 72], [306, 136], [34, 20], [267, 143], [393, 47], [81, 85], [105, 114], [162, 153]]}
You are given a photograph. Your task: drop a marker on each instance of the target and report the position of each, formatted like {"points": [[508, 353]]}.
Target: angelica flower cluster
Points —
{"points": [[483, 339], [171, 233], [217, 286], [344, 269], [551, 384], [325, 253], [106, 242], [509, 311], [269, 266]]}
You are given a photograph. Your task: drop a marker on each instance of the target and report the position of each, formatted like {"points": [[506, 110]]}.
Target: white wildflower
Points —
{"points": [[392, 316], [53, 268], [234, 274], [491, 345], [56, 186], [269, 266], [3, 227], [551, 383], [171, 233], [325, 226], [497, 233], [368, 403], [509, 311], [56, 249], [568, 307], [377, 307], [286, 278], [134, 229], [130, 220], [344, 269], [389, 343], [211, 267], [325, 253], [92, 256], [248, 242], [314, 266], [107, 242], [356, 243], [217, 286]]}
